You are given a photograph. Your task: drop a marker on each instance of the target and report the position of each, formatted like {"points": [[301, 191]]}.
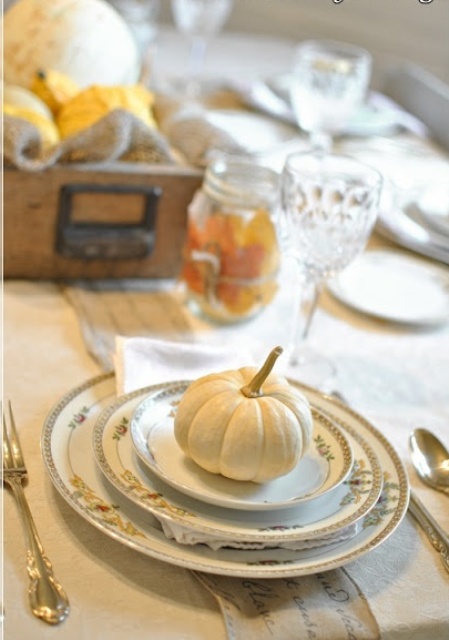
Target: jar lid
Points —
{"points": [[241, 183]]}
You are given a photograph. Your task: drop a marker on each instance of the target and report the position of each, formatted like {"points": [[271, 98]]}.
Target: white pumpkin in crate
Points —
{"points": [[85, 39]]}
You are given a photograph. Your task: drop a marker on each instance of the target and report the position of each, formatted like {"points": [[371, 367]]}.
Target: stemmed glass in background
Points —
{"points": [[329, 82], [329, 204], [199, 20], [141, 17]]}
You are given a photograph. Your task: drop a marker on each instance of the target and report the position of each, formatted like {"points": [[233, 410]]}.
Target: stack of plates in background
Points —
{"points": [[422, 224]]}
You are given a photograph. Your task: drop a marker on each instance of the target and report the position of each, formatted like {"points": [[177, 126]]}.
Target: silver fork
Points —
{"points": [[47, 598]]}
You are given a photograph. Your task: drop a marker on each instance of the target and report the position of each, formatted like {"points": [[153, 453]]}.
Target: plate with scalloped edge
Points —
{"points": [[324, 466], [326, 518], [66, 444]]}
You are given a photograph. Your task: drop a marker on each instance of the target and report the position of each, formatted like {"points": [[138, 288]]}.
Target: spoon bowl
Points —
{"points": [[430, 459]]}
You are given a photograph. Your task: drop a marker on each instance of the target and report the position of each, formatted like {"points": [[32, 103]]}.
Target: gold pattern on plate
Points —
{"points": [[107, 512]]}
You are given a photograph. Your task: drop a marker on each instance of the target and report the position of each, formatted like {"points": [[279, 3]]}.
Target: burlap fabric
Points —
{"points": [[117, 136], [185, 134]]}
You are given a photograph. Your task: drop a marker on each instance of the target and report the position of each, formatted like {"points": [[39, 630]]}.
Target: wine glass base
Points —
{"points": [[199, 90], [311, 368]]}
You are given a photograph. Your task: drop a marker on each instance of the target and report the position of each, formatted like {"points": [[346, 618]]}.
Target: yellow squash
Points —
{"points": [[90, 105], [244, 424], [47, 129], [54, 88]]}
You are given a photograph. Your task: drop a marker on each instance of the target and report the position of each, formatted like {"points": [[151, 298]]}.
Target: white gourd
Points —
{"points": [[85, 39], [229, 425], [23, 98]]}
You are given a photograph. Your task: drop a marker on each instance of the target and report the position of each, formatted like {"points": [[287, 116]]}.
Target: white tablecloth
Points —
{"points": [[397, 378]]}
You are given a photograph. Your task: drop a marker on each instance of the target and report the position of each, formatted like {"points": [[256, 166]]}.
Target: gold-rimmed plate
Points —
{"points": [[329, 516], [325, 465], [67, 452]]}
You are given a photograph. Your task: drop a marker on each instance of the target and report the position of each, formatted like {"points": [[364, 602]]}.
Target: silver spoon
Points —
{"points": [[430, 459]]}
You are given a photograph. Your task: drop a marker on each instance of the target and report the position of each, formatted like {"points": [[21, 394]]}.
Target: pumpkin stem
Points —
{"points": [[253, 389]]}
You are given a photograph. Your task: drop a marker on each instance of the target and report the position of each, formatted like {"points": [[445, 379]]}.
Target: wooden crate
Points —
{"points": [[97, 221], [92, 221]]}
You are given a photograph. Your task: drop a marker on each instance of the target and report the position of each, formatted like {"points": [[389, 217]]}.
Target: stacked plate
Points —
{"points": [[116, 462], [421, 225]]}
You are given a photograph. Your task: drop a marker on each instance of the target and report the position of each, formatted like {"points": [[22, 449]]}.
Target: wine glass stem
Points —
{"points": [[196, 64], [321, 141], [307, 304]]}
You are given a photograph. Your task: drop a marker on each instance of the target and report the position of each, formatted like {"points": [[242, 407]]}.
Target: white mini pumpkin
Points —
{"points": [[85, 39], [228, 425]]}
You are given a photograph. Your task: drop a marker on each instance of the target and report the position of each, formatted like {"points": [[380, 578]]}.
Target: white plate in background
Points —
{"points": [[375, 117], [396, 287]]}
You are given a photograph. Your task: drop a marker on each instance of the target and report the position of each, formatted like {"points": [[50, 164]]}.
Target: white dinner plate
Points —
{"points": [[324, 466], [396, 287], [321, 517], [67, 452]]}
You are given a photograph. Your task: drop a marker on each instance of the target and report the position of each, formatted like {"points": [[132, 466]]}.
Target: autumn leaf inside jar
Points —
{"points": [[231, 254]]}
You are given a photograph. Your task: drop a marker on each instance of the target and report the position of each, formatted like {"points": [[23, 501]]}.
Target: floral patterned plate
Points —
{"points": [[325, 465], [66, 443], [190, 520]]}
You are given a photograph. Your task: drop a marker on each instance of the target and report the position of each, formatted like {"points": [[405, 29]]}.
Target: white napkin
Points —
{"points": [[140, 362], [184, 535]]}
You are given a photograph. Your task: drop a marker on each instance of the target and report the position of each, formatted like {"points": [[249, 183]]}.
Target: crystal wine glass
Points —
{"points": [[141, 17], [199, 20], [328, 83], [329, 205]]}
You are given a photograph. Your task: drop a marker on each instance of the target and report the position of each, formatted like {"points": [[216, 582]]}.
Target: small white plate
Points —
{"points": [[372, 118], [393, 286], [326, 464]]}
